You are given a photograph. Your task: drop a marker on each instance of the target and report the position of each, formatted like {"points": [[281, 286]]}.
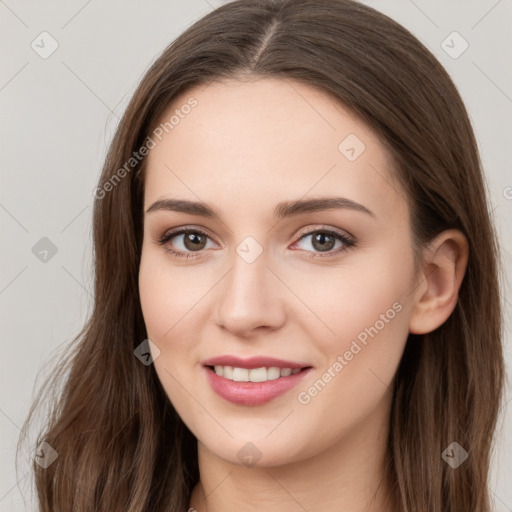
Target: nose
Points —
{"points": [[250, 297]]}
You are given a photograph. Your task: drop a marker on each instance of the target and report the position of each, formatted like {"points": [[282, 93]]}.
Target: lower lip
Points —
{"points": [[252, 393]]}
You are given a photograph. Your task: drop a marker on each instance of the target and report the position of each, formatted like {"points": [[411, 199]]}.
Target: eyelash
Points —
{"points": [[347, 241]]}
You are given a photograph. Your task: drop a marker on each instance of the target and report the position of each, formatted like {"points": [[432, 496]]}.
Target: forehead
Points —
{"points": [[259, 142]]}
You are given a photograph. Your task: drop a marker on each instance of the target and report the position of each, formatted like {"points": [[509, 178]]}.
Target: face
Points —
{"points": [[323, 288]]}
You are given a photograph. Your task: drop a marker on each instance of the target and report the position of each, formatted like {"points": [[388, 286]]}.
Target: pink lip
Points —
{"points": [[252, 393], [252, 362]]}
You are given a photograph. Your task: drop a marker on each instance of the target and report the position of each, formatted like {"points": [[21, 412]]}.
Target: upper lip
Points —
{"points": [[252, 362]]}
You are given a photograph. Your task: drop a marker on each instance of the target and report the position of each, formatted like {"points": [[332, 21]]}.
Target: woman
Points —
{"points": [[296, 291]]}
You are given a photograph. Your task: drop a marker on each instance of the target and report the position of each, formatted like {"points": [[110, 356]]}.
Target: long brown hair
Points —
{"points": [[121, 446]]}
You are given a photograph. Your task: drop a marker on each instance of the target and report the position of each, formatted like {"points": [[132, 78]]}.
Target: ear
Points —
{"points": [[444, 266]]}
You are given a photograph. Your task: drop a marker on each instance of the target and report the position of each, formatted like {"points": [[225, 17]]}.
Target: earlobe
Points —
{"points": [[444, 266]]}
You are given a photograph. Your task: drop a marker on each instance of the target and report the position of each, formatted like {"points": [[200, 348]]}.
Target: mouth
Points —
{"points": [[262, 374], [253, 386]]}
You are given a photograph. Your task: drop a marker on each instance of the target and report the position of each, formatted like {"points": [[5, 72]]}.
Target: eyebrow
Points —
{"points": [[282, 210]]}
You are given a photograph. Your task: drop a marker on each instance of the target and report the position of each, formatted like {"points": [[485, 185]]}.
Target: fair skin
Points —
{"points": [[247, 146]]}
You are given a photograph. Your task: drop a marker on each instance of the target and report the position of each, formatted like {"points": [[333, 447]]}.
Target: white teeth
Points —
{"points": [[258, 375], [273, 373], [227, 372], [240, 374], [254, 375]]}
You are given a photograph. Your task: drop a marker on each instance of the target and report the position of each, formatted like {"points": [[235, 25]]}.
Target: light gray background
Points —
{"points": [[59, 113]]}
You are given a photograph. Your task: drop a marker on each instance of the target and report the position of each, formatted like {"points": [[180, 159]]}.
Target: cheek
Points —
{"points": [[367, 296], [167, 307], [173, 307], [155, 300], [367, 312], [168, 294], [359, 363]]}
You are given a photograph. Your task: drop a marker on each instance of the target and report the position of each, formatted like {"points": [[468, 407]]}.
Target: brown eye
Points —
{"points": [[184, 242], [322, 242], [194, 241]]}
